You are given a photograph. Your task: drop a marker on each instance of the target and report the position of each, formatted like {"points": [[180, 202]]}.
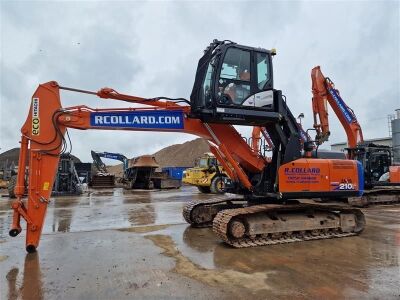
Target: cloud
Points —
{"points": [[152, 48]]}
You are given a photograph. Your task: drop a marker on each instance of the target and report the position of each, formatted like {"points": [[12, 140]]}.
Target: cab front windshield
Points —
{"points": [[203, 162], [207, 162]]}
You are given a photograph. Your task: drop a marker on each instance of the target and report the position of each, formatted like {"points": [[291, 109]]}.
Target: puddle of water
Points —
{"points": [[235, 280], [3, 257], [336, 268], [30, 286], [144, 229]]}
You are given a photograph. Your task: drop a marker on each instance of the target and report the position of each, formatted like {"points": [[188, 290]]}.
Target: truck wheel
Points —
{"points": [[204, 189], [11, 185], [217, 185]]}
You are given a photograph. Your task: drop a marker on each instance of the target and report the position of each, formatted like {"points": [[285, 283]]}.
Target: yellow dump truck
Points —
{"points": [[207, 175]]}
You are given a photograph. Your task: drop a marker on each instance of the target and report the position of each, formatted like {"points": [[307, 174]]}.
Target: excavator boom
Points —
{"points": [[324, 92]]}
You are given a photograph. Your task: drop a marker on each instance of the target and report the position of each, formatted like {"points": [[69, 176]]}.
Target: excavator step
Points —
{"points": [[271, 224]]}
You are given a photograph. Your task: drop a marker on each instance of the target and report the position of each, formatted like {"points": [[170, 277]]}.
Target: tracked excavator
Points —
{"points": [[96, 155], [102, 179], [376, 160], [233, 86]]}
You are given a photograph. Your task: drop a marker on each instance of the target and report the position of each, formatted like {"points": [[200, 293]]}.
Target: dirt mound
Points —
{"points": [[115, 170], [9, 157], [182, 155], [12, 156], [178, 155]]}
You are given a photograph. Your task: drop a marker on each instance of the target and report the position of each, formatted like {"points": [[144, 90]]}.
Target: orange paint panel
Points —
{"points": [[304, 175], [318, 175], [344, 175], [394, 174]]}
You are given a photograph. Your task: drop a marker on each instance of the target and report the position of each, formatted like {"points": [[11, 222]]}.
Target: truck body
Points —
{"points": [[207, 175]]}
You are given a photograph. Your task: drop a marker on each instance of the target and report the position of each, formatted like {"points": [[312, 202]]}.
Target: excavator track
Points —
{"points": [[271, 224], [201, 213], [377, 196]]}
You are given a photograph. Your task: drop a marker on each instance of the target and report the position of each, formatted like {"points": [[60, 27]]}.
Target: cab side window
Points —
{"points": [[205, 92], [262, 70]]}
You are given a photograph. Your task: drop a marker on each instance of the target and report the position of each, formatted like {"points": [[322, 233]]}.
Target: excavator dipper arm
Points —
{"points": [[43, 139], [375, 159], [101, 165], [324, 92]]}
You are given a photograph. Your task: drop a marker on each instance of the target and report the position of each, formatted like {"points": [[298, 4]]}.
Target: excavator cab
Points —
{"points": [[376, 160], [234, 84]]}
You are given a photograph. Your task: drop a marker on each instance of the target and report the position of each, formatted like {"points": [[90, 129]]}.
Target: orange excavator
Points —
{"points": [[233, 86], [382, 179]]}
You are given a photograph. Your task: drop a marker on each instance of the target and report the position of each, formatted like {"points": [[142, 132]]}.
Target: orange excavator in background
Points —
{"points": [[382, 179], [233, 86]]}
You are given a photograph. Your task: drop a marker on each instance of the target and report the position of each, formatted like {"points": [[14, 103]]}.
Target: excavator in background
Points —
{"points": [[116, 156], [381, 178], [138, 173], [233, 86], [102, 179]]}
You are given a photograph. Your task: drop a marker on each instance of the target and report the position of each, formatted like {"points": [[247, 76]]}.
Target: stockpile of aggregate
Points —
{"points": [[182, 155], [12, 156]]}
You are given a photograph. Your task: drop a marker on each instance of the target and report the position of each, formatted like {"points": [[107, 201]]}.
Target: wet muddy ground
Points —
{"points": [[116, 244]]}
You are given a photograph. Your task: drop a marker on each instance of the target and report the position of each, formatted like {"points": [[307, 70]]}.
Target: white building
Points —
{"points": [[386, 141]]}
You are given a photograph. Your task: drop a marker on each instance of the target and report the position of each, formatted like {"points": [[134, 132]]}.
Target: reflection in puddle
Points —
{"points": [[255, 282], [112, 209], [198, 239], [336, 268], [144, 215], [31, 286], [366, 266], [62, 220]]}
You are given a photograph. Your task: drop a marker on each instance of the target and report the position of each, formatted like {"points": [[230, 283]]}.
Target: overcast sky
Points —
{"points": [[151, 49]]}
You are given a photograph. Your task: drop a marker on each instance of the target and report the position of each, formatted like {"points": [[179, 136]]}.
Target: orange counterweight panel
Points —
{"points": [[319, 175], [394, 174]]}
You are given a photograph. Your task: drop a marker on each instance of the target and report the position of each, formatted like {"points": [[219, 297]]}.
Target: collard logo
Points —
{"points": [[341, 105], [301, 175], [138, 119], [35, 117], [304, 171]]}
